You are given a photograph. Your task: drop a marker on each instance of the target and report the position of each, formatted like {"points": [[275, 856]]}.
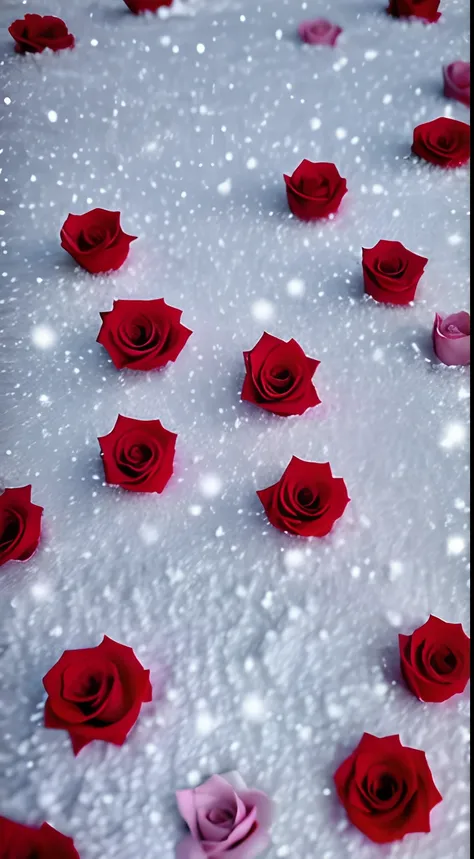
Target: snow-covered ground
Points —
{"points": [[273, 654]]}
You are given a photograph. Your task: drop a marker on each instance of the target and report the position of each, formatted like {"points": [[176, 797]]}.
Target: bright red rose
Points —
{"points": [[445, 142], [138, 455], [142, 335], [315, 190], [391, 272], [435, 660], [31, 842], [307, 499], [96, 693], [427, 10], [140, 6], [20, 524], [96, 240], [387, 789], [279, 377], [34, 33]]}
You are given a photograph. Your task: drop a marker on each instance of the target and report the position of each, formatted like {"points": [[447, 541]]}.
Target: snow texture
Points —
{"points": [[272, 654]]}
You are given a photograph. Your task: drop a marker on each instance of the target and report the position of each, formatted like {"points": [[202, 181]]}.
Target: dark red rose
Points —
{"points": [[138, 455], [143, 335], [445, 142], [307, 499], [140, 6], [20, 525], [34, 33], [427, 10], [315, 190], [96, 240], [435, 660], [391, 272], [96, 693], [30, 842], [387, 789], [279, 377]]}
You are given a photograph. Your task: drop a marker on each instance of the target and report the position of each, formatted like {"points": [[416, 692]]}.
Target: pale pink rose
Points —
{"points": [[452, 338], [225, 819], [319, 32], [457, 82]]}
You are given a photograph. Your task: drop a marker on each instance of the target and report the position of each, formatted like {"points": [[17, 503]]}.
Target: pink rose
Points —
{"points": [[319, 32], [452, 338], [457, 82], [225, 819]]}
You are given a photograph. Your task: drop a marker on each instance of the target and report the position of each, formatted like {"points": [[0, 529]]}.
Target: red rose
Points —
{"points": [[387, 789], [139, 6], [307, 499], [427, 10], [96, 693], [20, 525], [142, 335], [138, 455], [443, 141], [279, 376], [315, 190], [96, 240], [34, 33], [30, 842], [391, 272], [435, 660]]}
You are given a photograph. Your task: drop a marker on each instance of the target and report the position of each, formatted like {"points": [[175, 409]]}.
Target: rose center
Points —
{"points": [[386, 788], [91, 237], [394, 265], [314, 186], [139, 453], [321, 28], [219, 816], [444, 661], [444, 143], [306, 498], [10, 528], [452, 328]]}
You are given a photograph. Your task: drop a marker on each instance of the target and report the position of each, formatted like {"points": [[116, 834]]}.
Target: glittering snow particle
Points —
{"points": [[295, 287], [148, 533], [205, 723], [454, 435], [52, 116], [262, 310], [225, 187], [43, 336], [253, 708], [210, 485], [294, 559], [456, 545]]}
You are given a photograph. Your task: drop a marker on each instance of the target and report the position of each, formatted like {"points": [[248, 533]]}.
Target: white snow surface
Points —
{"points": [[269, 654]]}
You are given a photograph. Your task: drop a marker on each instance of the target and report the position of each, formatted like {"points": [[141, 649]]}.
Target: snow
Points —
{"points": [[183, 577]]}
